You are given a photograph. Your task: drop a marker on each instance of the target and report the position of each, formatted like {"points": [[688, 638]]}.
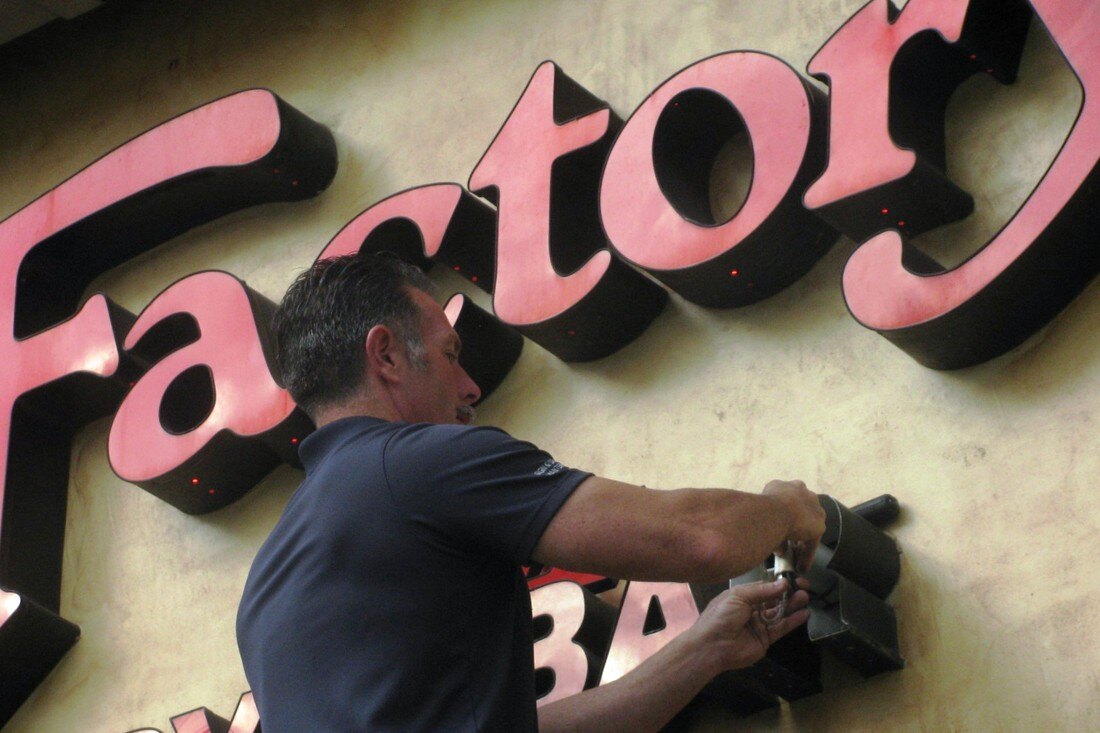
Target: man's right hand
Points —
{"points": [[807, 520]]}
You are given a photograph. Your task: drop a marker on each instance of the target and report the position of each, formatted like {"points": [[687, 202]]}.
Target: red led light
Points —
{"points": [[571, 332], [885, 211], [211, 492], [194, 482], [901, 223], [973, 56], [473, 279], [294, 441], [293, 183], [457, 268], [734, 273]]}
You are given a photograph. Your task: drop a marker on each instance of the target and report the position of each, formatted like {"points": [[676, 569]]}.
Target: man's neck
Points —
{"points": [[356, 406]]}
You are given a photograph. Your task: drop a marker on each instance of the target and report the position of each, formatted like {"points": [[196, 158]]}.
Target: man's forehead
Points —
{"points": [[432, 316]]}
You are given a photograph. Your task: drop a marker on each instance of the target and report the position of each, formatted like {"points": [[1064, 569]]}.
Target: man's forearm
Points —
{"points": [[643, 700], [735, 530], [684, 535]]}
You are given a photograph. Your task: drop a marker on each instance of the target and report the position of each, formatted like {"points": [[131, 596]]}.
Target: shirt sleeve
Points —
{"points": [[476, 488]]}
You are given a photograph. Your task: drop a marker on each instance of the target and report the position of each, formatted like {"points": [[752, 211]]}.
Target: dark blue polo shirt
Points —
{"points": [[389, 596]]}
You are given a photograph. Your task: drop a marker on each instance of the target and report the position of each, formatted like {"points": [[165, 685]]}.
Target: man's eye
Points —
{"points": [[452, 357]]}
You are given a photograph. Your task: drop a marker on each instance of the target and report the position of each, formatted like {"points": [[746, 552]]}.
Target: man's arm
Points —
{"points": [[728, 635], [684, 535]]}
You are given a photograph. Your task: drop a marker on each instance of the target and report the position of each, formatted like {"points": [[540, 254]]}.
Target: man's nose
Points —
{"points": [[470, 392]]}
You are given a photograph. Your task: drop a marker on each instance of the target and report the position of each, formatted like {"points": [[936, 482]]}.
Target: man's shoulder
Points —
{"points": [[452, 435], [454, 452]]}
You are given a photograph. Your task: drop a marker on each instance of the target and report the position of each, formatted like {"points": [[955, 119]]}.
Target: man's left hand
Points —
{"points": [[733, 627]]}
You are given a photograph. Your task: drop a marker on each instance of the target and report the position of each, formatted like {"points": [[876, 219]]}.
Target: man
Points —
{"points": [[389, 596]]}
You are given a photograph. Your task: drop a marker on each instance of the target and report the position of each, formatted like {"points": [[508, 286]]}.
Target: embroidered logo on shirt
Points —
{"points": [[549, 468]]}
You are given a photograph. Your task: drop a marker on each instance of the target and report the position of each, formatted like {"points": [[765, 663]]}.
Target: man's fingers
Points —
{"points": [[788, 624], [806, 556], [798, 601], [757, 593]]}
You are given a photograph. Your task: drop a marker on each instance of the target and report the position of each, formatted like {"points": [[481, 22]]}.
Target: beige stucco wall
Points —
{"points": [[994, 465]]}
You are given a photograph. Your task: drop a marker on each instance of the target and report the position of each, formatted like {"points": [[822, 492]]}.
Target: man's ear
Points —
{"points": [[381, 350]]}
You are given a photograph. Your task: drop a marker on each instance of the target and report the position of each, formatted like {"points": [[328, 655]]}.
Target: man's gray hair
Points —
{"points": [[322, 323]]}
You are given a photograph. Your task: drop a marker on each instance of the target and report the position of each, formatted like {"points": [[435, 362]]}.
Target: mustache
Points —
{"points": [[467, 412]]}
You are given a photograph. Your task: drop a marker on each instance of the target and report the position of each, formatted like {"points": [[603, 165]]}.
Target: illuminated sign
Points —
{"points": [[589, 211]]}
